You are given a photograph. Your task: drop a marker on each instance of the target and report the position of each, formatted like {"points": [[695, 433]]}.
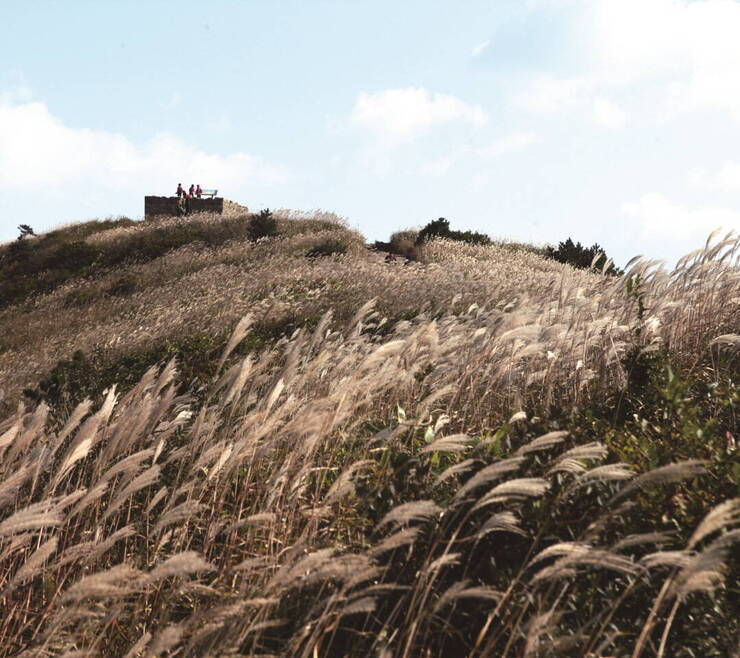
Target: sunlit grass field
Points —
{"points": [[216, 445]]}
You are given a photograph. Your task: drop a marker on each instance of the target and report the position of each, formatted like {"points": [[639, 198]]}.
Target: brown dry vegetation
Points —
{"points": [[421, 466]]}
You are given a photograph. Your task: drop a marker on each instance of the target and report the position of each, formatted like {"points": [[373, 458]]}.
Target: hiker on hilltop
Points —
{"points": [[180, 191], [198, 191], [191, 191]]}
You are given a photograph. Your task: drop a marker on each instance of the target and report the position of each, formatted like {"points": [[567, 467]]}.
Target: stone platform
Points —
{"points": [[167, 205]]}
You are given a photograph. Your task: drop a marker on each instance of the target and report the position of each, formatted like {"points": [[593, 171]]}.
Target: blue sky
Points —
{"points": [[613, 121]]}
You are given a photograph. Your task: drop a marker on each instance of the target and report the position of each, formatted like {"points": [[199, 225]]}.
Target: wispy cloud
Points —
{"points": [[658, 217], [608, 114], [398, 114], [515, 141], [727, 177], [684, 53], [511, 143], [549, 95], [478, 50]]}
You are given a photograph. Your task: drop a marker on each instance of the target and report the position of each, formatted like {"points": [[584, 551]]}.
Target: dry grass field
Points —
{"points": [[263, 450]]}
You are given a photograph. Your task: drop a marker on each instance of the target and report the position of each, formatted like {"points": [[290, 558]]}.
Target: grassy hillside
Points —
{"points": [[289, 446]]}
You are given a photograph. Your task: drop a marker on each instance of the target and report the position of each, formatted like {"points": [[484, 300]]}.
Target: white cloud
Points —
{"points": [[398, 114], [478, 50], [515, 141], [440, 166], [608, 114], [547, 94], [637, 39], [691, 46], [660, 218], [679, 56], [727, 177], [39, 152]]}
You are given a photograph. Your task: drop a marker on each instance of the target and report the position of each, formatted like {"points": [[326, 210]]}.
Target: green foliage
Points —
{"points": [[263, 225], [328, 247], [676, 417], [440, 228], [576, 255], [666, 414], [88, 375]]}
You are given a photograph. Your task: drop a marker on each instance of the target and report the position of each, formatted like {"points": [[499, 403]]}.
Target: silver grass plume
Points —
{"points": [[516, 489], [487, 475], [664, 475], [544, 442], [419, 510], [181, 564]]}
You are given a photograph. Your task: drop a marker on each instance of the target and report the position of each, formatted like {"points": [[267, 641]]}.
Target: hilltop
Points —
{"points": [[119, 290], [240, 436]]}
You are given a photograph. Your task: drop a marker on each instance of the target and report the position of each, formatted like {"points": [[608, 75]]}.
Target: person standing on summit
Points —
{"points": [[191, 191], [180, 191]]}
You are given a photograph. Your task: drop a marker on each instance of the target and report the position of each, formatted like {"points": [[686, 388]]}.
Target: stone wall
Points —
{"points": [[167, 205]]}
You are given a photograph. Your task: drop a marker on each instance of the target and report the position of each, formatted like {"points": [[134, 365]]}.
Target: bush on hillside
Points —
{"points": [[403, 243], [88, 375], [576, 255], [328, 247], [263, 225], [440, 228]]}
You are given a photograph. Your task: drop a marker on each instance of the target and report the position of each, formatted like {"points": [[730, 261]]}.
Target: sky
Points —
{"points": [[609, 121]]}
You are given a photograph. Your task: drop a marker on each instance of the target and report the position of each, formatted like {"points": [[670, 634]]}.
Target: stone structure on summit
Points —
{"points": [[172, 205]]}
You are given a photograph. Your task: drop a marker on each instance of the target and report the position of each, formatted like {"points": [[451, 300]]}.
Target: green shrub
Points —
{"points": [[676, 417], [440, 228], [576, 255], [329, 247], [263, 225], [87, 375]]}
